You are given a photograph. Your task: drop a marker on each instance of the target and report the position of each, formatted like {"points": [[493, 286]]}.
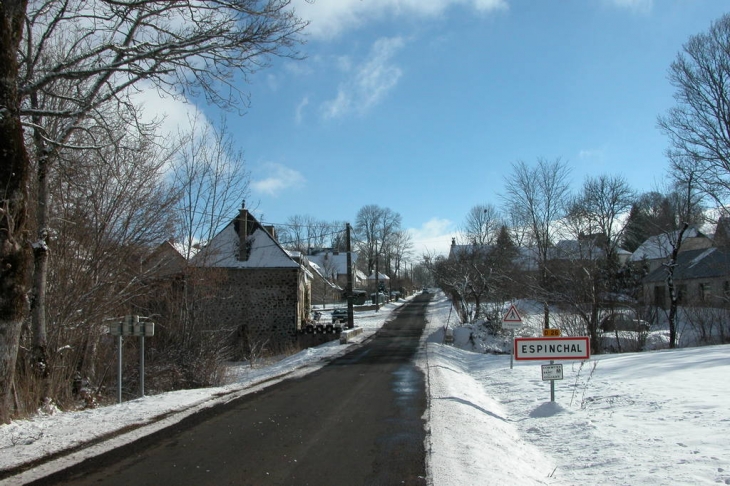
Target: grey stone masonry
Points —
{"points": [[261, 304]]}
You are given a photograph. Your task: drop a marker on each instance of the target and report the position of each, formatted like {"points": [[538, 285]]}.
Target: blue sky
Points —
{"points": [[421, 106]]}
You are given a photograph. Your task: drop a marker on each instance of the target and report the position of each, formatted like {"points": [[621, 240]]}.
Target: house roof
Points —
{"points": [[381, 276], [696, 264], [330, 262], [575, 250], [660, 246], [164, 259], [223, 250]]}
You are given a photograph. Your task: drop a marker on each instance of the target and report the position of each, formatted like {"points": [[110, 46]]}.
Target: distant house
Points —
{"points": [[165, 260], [656, 249], [331, 267], [701, 274], [263, 294], [701, 277]]}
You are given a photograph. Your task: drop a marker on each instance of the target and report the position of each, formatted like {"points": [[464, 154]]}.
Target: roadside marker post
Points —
{"points": [[512, 321], [131, 326], [552, 348]]}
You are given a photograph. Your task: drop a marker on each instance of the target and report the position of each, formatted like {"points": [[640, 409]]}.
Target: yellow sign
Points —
{"points": [[550, 332]]}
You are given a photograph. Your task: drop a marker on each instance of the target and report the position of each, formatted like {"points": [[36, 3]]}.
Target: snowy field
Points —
{"points": [[653, 418]]}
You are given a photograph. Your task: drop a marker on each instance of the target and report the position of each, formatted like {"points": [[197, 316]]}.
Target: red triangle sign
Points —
{"points": [[512, 315]]}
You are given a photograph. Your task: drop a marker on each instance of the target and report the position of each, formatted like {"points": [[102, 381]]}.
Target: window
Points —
{"points": [[659, 296], [705, 292]]}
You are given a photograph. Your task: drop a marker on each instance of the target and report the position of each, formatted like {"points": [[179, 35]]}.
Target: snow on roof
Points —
{"points": [[660, 246], [381, 276], [695, 264], [223, 251], [332, 263]]}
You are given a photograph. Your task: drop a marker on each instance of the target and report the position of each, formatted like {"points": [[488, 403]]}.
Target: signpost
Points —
{"points": [[552, 372], [512, 321], [552, 348], [549, 348], [131, 326]]}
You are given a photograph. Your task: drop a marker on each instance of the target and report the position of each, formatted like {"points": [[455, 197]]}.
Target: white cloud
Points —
{"points": [[369, 82], [272, 81], [279, 179], [174, 115], [299, 114], [591, 154], [329, 18], [642, 6], [433, 237]]}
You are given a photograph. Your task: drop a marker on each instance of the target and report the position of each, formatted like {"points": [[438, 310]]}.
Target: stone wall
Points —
{"points": [[261, 306]]}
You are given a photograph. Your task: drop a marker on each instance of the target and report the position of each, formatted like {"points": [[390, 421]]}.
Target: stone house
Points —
{"points": [[702, 272], [656, 249], [701, 278], [331, 265], [165, 260], [262, 293]]}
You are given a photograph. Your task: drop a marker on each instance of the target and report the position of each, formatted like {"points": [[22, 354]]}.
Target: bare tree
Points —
{"points": [[605, 200], [698, 126], [211, 179], [304, 233], [79, 57], [587, 271], [482, 224], [108, 207], [687, 204], [537, 196], [401, 248], [375, 228], [15, 176]]}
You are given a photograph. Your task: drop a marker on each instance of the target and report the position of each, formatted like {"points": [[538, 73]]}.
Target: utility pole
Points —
{"points": [[350, 317], [377, 287]]}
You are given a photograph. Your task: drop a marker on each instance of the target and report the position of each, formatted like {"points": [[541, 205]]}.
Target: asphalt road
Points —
{"points": [[357, 421]]}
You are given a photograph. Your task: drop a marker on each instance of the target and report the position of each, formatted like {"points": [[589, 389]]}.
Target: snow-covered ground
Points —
{"points": [[652, 418]]}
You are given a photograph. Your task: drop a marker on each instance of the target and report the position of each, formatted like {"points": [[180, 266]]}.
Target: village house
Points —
{"points": [[262, 293], [701, 278], [331, 266], [701, 275]]}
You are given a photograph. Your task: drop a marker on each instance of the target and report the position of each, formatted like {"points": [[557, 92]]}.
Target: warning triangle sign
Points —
{"points": [[512, 315]]}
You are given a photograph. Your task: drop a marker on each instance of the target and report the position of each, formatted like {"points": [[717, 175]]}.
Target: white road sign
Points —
{"points": [[545, 348], [552, 372], [512, 319]]}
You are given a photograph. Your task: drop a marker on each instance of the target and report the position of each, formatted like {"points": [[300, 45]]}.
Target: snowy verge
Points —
{"points": [[472, 439]]}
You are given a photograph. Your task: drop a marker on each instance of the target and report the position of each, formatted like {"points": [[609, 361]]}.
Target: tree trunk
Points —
{"points": [[39, 340], [673, 297], [14, 181]]}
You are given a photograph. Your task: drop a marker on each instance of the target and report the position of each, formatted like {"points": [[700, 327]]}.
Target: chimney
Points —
{"points": [[271, 229], [241, 227]]}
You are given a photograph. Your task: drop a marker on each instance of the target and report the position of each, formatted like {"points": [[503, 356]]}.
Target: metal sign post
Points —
{"points": [[552, 348], [131, 326], [512, 320], [119, 368]]}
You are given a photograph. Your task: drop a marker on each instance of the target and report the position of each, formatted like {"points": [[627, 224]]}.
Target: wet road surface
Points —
{"points": [[357, 421]]}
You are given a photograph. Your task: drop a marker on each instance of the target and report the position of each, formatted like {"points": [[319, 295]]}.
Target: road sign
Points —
{"points": [[551, 332], [552, 372], [512, 319], [545, 348], [132, 329]]}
